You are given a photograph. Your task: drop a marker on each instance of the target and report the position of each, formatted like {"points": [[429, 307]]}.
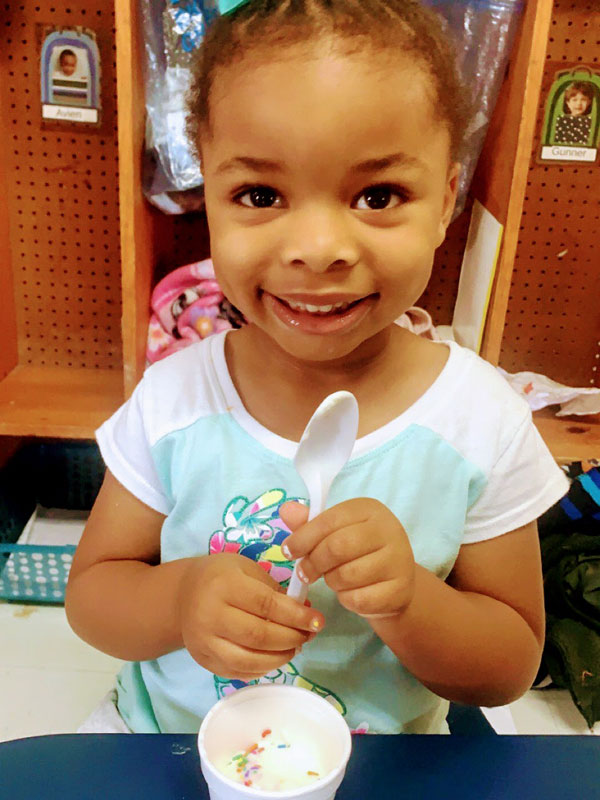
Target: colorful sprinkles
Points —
{"points": [[247, 764]]}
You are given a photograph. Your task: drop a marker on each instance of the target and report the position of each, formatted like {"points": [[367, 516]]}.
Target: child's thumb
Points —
{"points": [[293, 514]]}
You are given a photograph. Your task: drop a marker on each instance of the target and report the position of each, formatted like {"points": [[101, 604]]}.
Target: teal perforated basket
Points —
{"points": [[32, 573]]}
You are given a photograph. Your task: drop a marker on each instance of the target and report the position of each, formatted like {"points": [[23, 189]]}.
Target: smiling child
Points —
{"points": [[329, 133]]}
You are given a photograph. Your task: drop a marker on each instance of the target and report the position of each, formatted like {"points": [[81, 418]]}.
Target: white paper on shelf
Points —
{"points": [[476, 277], [540, 391], [445, 333]]}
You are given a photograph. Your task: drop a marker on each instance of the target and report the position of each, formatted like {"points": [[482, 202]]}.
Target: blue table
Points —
{"points": [[166, 767]]}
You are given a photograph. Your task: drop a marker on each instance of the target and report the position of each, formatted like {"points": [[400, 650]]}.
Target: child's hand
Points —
{"points": [[237, 622], [361, 550]]}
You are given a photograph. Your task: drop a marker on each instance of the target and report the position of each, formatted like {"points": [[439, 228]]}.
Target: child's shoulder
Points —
{"points": [[453, 375], [475, 409], [188, 359], [478, 383], [185, 385]]}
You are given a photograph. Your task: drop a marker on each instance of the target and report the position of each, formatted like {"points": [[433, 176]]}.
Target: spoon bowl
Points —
{"points": [[323, 450]]}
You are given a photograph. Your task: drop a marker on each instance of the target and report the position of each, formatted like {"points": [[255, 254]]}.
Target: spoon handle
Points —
{"points": [[297, 588]]}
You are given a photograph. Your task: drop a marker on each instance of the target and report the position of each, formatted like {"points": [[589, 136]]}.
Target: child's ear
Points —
{"points": [[450, 193]]}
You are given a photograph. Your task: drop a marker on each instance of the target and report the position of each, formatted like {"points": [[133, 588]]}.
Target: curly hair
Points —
{"points": [[264, 29]]}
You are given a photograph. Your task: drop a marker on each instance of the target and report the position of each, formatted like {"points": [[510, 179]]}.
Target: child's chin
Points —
{"points": [[319, 349]]}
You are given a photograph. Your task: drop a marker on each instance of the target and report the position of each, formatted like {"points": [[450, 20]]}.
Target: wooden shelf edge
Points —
{"points": [[531, 59], [569, 438], [62, 402], [137, 231]]}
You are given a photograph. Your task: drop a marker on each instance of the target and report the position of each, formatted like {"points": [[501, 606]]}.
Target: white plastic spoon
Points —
{"points": [[324, 448]]}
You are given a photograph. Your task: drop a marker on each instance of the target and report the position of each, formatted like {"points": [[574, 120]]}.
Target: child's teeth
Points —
{"points": [[315, 309]]}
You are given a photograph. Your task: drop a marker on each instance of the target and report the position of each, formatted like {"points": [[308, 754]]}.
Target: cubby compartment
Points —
{"points": [[61, 363]]}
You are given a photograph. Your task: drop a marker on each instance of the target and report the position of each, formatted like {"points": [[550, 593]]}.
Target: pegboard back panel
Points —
{"points": [[553, 317], [8, 351], [62, 193]]}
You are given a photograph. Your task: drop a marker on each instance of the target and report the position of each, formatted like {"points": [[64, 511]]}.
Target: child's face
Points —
{"points": [[327, 182], [68, 64], [578, 104]]}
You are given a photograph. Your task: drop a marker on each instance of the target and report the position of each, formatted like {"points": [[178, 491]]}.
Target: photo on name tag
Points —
{"points": [[571, 128], [70, 76]]}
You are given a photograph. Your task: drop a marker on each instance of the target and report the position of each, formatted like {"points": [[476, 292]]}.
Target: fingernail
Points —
{"points": [[286, 551], [300, 574], [315, 624]]}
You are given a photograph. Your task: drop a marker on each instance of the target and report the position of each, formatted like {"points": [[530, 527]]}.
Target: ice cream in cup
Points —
{"points": [[273, 742]]}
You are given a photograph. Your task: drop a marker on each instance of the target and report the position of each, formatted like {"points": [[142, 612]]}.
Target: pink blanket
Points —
{"points": [[187, 305]]}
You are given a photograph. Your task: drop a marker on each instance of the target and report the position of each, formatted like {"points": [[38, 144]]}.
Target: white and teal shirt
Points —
{"points": [[463, 464]]}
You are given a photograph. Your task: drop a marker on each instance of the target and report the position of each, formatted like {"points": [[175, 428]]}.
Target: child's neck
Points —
{"points": [[387, 376]]}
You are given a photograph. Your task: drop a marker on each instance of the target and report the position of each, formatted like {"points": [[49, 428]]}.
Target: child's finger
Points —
{"points": [[378, 601], [366, 570], [245, 663], [308, 536], [257, 597], [256, 633], [343, 546]]}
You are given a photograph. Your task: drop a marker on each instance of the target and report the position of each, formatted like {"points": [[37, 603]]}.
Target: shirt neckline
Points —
{"points": [[438, 393]]}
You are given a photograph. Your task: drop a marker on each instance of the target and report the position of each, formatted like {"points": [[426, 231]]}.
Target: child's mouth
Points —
{"points": [[321, 310], [319, 318]]}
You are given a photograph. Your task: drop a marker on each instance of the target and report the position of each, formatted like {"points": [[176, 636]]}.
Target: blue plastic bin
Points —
{"points": [[51, 474], [34, 573]]}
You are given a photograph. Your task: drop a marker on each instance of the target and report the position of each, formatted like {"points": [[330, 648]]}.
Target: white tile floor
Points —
{"points": [[50, 680]]}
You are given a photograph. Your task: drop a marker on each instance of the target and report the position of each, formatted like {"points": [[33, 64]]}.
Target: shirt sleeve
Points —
{"points": [[125, 448], [524, 482]]}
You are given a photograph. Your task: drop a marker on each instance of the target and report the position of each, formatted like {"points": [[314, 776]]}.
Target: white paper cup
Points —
{"points": [[240, 719]]}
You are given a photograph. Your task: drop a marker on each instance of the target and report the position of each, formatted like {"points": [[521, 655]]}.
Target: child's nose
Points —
{"points": [[320, 239]]}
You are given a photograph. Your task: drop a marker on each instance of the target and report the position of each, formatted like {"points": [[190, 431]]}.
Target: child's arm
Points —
{"points": [[484, 627], [224, 608], [475, 639]]}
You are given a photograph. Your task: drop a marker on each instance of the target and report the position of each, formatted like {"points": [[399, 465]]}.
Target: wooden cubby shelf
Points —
{"points": [[57, 401], [569, 438], [84, 248]]}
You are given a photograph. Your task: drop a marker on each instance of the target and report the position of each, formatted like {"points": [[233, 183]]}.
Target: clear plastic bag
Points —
{"points": [[173, 29], [484, 32]]}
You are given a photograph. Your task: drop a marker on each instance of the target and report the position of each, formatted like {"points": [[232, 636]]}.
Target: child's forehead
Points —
{"points": [[359, 55], [347, 109], [320, 79]]}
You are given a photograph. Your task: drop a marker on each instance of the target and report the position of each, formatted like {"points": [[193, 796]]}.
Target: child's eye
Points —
{"points": [[259, 197], [378, 198]]}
